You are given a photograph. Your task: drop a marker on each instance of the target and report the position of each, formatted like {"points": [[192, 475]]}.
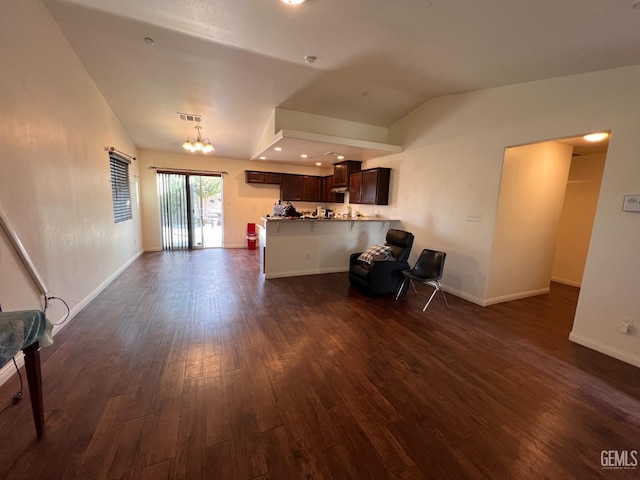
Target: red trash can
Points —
{"points": [[252, 238]]}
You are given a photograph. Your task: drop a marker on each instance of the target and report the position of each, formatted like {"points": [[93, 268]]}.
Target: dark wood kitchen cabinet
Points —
{"points": [[355, 187], [269, 178], [328, 195], [292, 187], [370, 187], [343, 170], [312, 189], [306, 188]]}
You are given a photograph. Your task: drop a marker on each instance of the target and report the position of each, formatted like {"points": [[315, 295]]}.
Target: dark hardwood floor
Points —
{"points": [[190, 366]]}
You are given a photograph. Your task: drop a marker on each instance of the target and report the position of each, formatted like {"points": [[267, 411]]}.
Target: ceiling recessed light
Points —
{"points": [[310, 58], [263, 158], [596, 137], [277, 149], [304, 155], [292, 2], [148, 40], [318, 164], [340, 157]]}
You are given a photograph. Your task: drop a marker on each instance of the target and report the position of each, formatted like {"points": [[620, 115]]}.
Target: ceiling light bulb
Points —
{"points": [[596, 137], [340, 157], [263, 158], [293, 2], [278, 149], [318, 163], [304, 155], [198, 144]]}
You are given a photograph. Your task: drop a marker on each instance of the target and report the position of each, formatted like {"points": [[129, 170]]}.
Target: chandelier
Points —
{"points": [[198, 144]]}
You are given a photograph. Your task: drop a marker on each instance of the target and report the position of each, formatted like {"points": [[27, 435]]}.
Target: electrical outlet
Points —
{"points": [[473, 217]]}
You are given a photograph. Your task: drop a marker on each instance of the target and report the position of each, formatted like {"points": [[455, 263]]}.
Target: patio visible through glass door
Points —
{"points": [[190, 210], [206, 211]]}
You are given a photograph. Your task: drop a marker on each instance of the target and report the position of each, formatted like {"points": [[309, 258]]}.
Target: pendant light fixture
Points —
{"points": [[198, 144]]}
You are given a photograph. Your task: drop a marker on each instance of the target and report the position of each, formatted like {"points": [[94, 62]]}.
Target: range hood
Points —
{"points": [[289, 135]]}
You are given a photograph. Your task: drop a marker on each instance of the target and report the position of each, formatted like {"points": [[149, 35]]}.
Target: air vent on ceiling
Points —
{"points": [[190, 117]]}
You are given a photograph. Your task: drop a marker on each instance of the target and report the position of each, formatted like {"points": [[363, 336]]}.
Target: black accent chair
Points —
{"points": [[378, 278], [428, 270]]}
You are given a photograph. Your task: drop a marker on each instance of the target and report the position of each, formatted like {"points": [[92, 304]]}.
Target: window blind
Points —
{"points": [[120, 190]]}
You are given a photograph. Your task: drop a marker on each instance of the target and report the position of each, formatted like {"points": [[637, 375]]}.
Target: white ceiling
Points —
{"points": [[235, 61]]}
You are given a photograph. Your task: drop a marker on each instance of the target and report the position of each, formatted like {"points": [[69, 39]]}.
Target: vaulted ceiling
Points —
{"points": [[233, 62]]}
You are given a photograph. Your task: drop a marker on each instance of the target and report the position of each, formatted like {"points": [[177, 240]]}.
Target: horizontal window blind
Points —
{"points": [[120, 190]]}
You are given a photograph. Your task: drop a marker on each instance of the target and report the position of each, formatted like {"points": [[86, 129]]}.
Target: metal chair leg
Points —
{"points": [[436, 287], [413, 285], [404, 280], [435, 290], [443, 295]]}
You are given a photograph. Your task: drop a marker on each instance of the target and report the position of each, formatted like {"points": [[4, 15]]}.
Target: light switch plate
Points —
{"points": [[631, 203]]}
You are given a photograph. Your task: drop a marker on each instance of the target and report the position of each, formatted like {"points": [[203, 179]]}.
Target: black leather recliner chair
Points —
{"points": [[382, 277]]}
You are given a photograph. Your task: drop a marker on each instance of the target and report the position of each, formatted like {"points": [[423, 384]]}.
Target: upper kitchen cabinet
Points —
{"points": [[343, 170], [304, 188], [329, 195], [370, 187], [292, 187], [312, 189], [269, 178]]}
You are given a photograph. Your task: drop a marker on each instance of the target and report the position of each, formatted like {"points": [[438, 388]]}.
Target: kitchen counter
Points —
{"points": [[341, 219], [305, 246]]}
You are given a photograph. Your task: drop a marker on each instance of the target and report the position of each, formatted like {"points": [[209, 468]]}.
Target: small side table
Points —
{"points": [[27, 330]]}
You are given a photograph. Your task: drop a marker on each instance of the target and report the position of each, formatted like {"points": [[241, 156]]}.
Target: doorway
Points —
{"points": [[191, 214], [548, 197]]}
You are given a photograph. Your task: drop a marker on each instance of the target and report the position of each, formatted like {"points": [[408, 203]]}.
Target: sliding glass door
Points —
{"points": [[190, 210]]}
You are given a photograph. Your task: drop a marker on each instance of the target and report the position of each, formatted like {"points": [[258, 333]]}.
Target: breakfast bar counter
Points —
{"points": [[291, 247]]}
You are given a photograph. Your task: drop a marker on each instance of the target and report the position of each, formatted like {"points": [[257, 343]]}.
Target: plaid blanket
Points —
{"points": [[375, 253]]}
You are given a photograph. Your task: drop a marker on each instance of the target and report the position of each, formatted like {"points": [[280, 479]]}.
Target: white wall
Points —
{"points": [[243, 203], [451, 166], [576, 220], [54, 173], [534, 180]]}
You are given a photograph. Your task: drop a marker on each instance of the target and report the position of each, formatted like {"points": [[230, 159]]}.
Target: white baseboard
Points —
{"points": [[514, 296], [300, 273], [605, 349], [8, 370], [566, 281], [464, 295]]}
